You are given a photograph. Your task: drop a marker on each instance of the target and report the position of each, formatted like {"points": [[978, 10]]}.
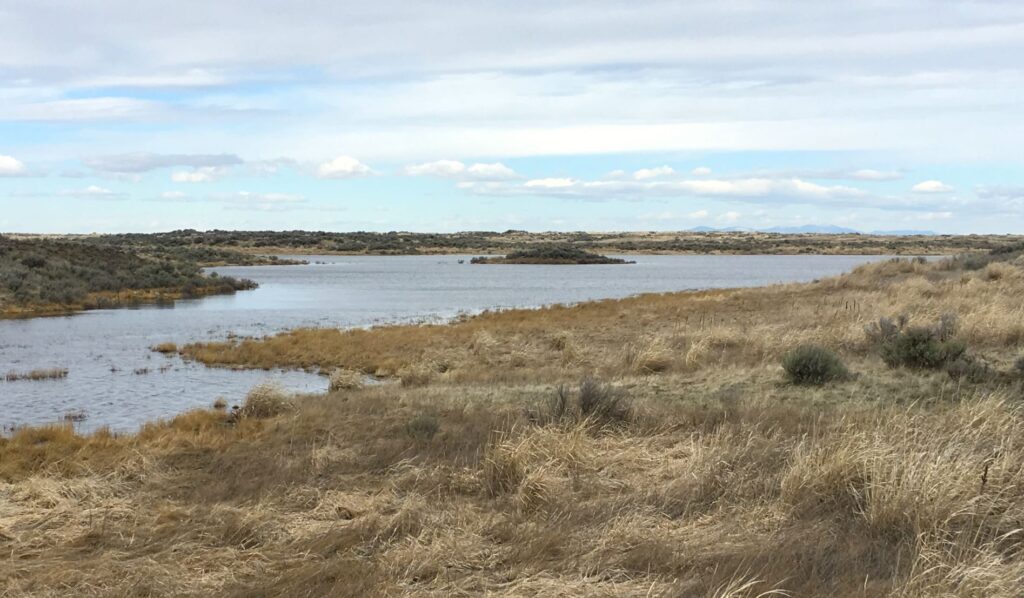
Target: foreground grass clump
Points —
{"points": [[813, 364], [266, 400], [342, 379], [593, 402], [399, 491]]}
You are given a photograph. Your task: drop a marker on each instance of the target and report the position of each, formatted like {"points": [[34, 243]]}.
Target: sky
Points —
{"points": [[131, 115]]}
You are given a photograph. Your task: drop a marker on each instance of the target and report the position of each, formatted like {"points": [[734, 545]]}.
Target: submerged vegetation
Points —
{"points": [[650, 446], [47, 276], [550, 255]]}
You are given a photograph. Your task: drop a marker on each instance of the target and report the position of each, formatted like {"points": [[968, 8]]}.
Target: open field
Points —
{"points": [[676, 460], [261, 243]]}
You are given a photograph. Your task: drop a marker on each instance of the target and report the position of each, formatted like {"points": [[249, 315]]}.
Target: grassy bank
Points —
{"points": [[647, 446], [52, 277]]}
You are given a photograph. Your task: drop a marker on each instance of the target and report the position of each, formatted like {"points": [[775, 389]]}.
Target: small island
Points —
{"points": [[551, 255]]}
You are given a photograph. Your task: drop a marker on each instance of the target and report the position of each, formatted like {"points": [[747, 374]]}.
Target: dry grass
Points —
{"points": [[722, 480], [40, 374], [342, 379]]}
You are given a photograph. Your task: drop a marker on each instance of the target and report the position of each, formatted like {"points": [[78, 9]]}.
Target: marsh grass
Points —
{"points": [[342, 379], [266, 400], [40, 374], [660, 333]]}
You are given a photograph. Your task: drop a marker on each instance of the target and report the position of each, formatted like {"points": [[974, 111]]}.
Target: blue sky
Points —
{"points": [[446, 116]]}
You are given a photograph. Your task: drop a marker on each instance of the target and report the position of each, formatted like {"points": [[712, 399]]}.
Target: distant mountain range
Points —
{"points": [[823, 229]]}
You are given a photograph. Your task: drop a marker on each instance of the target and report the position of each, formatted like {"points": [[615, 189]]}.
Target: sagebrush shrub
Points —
{"points": [[813, 364], [970, 369], [422, 427], [918, 347]]}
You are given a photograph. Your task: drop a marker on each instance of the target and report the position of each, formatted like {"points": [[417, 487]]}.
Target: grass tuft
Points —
{"points": [[266, 400]]}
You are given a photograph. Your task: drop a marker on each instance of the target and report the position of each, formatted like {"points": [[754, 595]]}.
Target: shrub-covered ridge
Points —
{"points": [[54, 276]]}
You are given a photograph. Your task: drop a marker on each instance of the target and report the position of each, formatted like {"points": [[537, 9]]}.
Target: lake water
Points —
{"points": [[117, 381]]}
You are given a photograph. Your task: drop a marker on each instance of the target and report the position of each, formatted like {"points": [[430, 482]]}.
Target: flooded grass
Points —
{"points": [[40, 374]]}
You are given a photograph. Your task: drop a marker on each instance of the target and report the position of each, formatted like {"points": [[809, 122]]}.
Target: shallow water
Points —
{"points": [[103, 349]]}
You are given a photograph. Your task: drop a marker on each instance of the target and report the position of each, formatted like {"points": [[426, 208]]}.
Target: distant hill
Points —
{"points": [[905, 233], [812, 229]]}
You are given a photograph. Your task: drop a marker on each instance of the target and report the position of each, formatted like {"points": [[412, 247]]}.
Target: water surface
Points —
{"points": [[104, 349]]}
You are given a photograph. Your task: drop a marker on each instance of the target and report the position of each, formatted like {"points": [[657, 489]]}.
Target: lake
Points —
{"points": [[115, 379]]}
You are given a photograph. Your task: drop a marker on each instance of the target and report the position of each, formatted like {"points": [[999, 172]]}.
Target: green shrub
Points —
{"points": [[813, 364], [918, 347], [970, 369], [422, 427]]}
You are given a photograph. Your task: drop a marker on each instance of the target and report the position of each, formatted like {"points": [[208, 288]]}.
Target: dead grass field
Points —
{"points": [[710, 477]]}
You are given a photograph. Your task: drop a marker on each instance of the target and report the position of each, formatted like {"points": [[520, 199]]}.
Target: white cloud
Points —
{"points": [[343, 167], [929, 216], [550, 183], [441, 168], [172, 195], [932, 186], [729, 217], [869, 174], [701, 171], [491, 172], [10, 166], [206, 174], [652, 173], [453, 169], [698, 214], [144, 161], [755, 189], [264, 198], [93, 192]]}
